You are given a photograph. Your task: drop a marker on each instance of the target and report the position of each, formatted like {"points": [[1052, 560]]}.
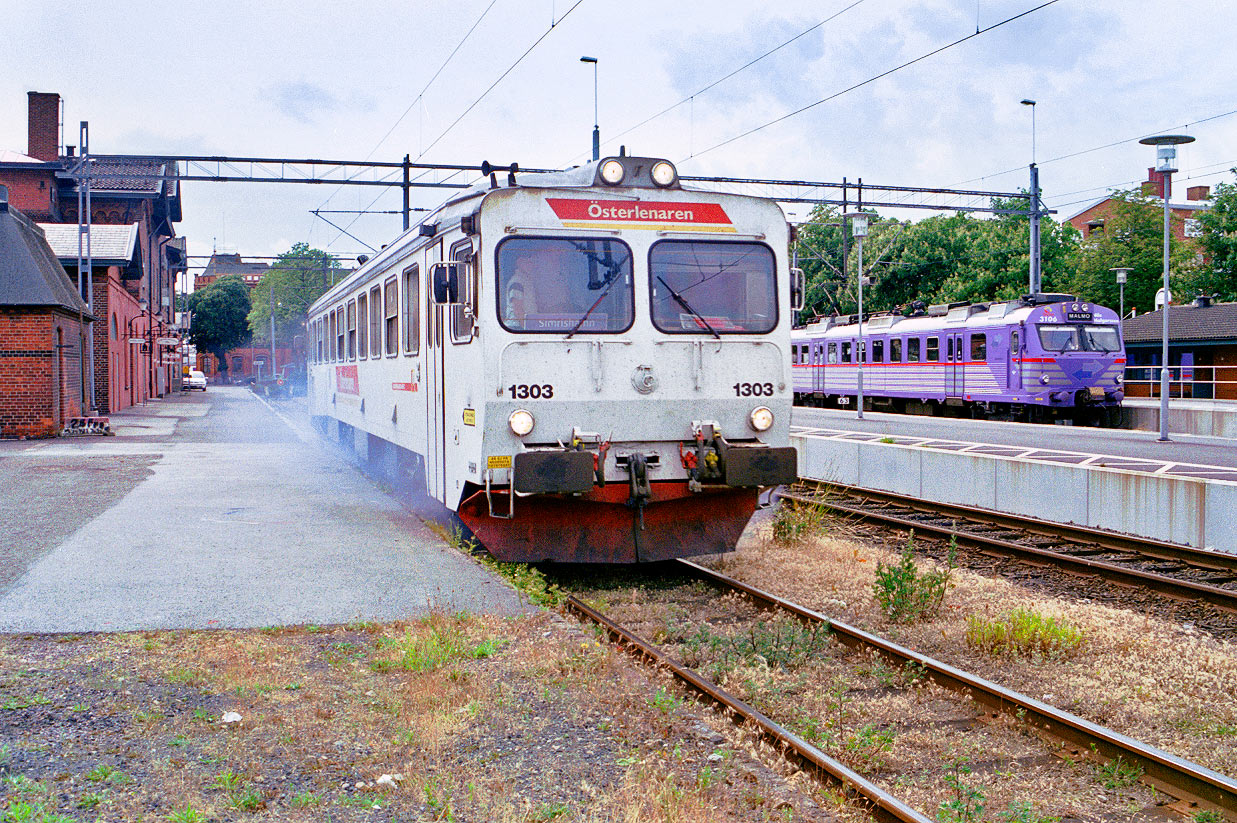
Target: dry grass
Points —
{"points": [[1160, 682], [483, 719]]}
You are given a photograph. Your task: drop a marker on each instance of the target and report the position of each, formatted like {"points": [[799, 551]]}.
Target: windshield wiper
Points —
{"points": [[678, 298], [614, 278]]}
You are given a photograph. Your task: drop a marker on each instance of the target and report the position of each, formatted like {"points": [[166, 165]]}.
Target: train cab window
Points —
{"points": [[846, 347], [833, 352], [878, 351], [565, 286], [934, 350], [703, 287], [895, 350], [1014, 350], [391, 299], [412, 315], [912, 350], [352, 330], [464, 313], [979, 347], [362, 326], [375, 321]]}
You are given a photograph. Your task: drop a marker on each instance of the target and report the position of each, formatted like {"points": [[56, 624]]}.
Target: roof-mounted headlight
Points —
{"points": [[612, 172], [664, 174], [761, 419], [521, 422]]}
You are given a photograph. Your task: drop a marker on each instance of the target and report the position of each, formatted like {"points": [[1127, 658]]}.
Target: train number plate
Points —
{"points": [[498, 461]]}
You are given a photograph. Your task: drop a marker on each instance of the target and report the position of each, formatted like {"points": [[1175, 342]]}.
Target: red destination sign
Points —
{"points": [[653, 214]]}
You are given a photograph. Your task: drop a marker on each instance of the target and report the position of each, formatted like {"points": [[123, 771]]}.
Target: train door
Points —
{"points": [[1013, 363], [818, 366], [955, 365], [436, 397]]}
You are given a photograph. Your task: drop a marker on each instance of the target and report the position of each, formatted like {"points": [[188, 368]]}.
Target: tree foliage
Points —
{"points": [[219, 317], [1132, 237], [295, 280], [940, 259], [1218, 276]]}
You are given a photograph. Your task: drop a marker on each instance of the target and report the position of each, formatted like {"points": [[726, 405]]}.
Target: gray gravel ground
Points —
{"points": [[214, 511]]}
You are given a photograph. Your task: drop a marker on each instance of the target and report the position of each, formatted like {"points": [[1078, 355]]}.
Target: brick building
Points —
{"points": [[42, 332], [1185, 213], [125, 191]]}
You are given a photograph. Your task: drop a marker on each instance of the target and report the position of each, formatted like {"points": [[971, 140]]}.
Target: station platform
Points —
{"points": [[1203, 418], [1141, 490]]}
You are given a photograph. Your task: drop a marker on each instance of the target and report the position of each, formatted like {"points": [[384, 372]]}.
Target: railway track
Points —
{"points": [[1177, 571], [1191, 783]]}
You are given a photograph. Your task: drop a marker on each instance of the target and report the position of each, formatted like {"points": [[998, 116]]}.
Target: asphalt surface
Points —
{"points": [[214, 510], [1207, 451]]}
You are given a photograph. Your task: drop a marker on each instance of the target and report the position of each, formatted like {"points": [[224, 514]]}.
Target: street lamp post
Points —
{"points": [[1122, 275], [859, 230], [1036, 256], [596, 128], [1165, 157]]}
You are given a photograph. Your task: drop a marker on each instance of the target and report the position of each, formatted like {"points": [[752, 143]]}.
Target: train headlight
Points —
{"points": [[612, 172], [1043, 378], [761, 419], [663, 174], [1118, 380], [521, 422]]}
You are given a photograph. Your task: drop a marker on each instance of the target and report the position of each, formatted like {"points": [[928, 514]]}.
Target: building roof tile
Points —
{"points": [[1185, 323], [30, 274], [109, 244]]}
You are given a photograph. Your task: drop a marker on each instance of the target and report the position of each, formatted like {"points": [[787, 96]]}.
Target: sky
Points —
{"points": [[501, 80]]}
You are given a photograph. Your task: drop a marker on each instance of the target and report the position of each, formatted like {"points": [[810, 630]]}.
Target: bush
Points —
{"points": [[905, 594], [795, 522], [1023, 632]]}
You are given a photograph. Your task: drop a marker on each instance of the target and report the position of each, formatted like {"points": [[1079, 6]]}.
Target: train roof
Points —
{"points": [[953, 315]]}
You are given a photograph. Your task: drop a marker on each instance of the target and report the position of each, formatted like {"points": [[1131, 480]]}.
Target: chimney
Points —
{"points": [[1154, 187], [1198, 193], [1202, 301], [44, 126]]}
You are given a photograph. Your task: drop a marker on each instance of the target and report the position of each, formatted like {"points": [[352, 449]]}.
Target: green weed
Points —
{"points": [[1023, 632], [187, 815], [664, 701], [967, 804], [1118, 774], [904, 593], [1024, 812], [795, 522]]}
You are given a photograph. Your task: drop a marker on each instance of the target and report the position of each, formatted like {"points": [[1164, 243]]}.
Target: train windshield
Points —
{"points": [[1064, 338], [569, 286], [712, 287]]}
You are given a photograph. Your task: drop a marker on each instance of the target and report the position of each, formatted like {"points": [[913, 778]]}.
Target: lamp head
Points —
{"points": [[588, 59], [1027, 102]]}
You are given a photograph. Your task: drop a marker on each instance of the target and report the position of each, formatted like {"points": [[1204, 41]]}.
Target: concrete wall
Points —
{"points": [[1176, 509], [1205, 418]]}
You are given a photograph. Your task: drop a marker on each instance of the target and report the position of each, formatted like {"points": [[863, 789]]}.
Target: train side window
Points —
{"points": [[878, 351], [895, 350], [352, 330], [833, 352], [340, 333], [375, 321], [846, 348], [912, 350], [412, 315], [391, 297], [464, 313], [794, 355], [949, 349], [934, 350], [979, 347], [362, 327]]}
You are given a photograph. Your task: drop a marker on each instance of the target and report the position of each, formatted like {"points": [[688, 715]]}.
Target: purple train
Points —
{"points": [[1040, 358]]}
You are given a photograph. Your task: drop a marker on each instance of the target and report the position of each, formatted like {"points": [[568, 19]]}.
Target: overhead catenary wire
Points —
{"points": [[744, 67], [874, 78], [472, 105]]}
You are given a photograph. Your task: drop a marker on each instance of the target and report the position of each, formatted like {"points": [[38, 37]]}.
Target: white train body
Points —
{"points": [[619, 354]]}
